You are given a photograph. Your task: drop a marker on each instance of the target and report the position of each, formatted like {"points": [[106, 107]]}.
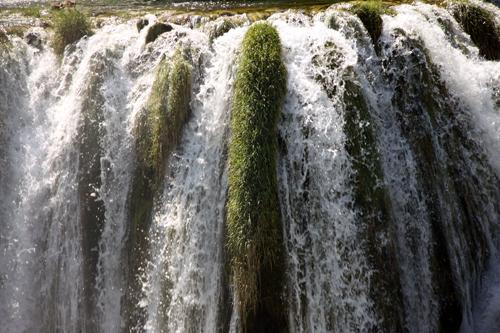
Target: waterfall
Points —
{"points": [[388, 175]]}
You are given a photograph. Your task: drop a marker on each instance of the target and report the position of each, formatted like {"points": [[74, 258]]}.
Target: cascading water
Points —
{"points": [[388, 177]]}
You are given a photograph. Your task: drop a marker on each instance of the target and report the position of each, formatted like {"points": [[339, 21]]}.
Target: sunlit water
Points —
{"points": [[433, 107]]}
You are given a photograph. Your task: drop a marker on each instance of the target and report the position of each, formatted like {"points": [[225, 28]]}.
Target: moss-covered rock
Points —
{"points": [[480, 25], [156, 30], [157, 132], [370, 196], [369, 13], [447, 163], [69, 25], [254, 236], [371, 200]]}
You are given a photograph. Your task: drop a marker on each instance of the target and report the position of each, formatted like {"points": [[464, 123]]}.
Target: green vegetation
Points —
{"points": [[480, 25], [371, 200], [31, 11], [16, 30], [69, 26], [370, 197], [165, 113], [158, 131], [369, 13], [254, 239]]}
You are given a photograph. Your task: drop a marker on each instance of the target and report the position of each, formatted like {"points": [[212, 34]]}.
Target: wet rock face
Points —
{"points": [[369, 14], [480, 25], [156, 30], [447, 164], [254, 240], [141, 24], [34, 39]]}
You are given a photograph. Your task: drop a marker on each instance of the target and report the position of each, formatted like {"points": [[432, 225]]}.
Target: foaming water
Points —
{"points": [[328, 277], [473, 80], [388, 171], [184, 285]]}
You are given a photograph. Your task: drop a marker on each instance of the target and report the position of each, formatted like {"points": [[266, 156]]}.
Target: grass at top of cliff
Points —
{"points": [[254, 237], [480, 25], [369, 12], [70, 25]]}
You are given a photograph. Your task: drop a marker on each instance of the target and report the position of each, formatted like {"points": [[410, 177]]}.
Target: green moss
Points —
{"points": [[166, 111], [16, 30], [371, 200], [370, 196], [369, 13], [254, 239], [69, 26], [158, 131], [480, 25], [31, 11]]}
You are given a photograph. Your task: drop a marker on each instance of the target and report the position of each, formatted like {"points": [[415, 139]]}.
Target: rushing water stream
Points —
{"points": [[388, 178]]}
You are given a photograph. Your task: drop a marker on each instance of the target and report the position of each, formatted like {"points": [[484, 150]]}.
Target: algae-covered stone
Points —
{"points": [[156, 30], [447, 161], [480, 25], [157, 133], [370, 196], [371, 200], [369, 13], [70, 25], [254, 239]]}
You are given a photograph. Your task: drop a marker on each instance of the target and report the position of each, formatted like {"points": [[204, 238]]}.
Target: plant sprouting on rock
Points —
{"points": [[254, 239], [158, 131], [70, 25], [369, 13], [480, 25]]}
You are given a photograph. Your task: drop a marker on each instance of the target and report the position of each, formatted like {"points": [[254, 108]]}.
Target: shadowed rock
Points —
{"points": [[156, 30]]}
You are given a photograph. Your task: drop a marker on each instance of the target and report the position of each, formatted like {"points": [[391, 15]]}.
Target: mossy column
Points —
{"points": [[254, 236], [369, 14], [157, 134]]}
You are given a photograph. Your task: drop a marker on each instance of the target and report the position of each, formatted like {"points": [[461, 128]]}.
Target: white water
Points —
{"points": [[183, 286], [328, 274]]}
